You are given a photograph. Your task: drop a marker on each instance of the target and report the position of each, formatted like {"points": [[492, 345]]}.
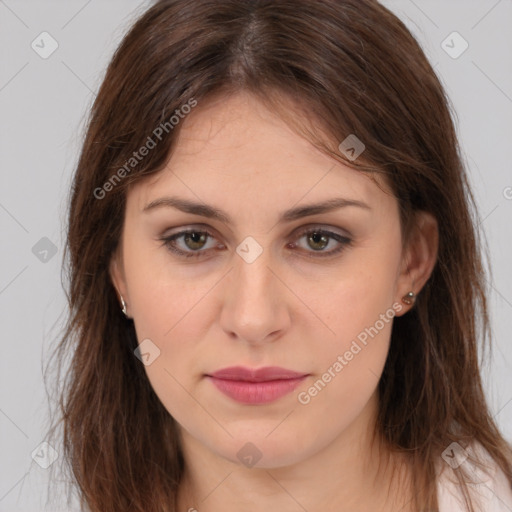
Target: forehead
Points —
{"points": [[235, 149]]}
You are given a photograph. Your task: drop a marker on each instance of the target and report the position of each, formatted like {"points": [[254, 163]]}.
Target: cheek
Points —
{"points": [[350, 368], [354, 299], [166, 306], [162, 293], [171, 315], [359, 308]]}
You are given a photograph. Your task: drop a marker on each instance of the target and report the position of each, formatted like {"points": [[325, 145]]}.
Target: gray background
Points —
{"points": [[43, 103]]}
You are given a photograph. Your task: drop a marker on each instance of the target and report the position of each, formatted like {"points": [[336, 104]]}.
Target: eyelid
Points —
{"points": [[301, 230], [306, 228]]}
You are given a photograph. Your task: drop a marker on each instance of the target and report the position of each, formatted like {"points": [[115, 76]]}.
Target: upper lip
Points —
{"points": [[266, 373]]}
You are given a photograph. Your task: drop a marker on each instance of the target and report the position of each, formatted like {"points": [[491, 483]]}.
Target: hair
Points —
{"points": [[352, 67]]}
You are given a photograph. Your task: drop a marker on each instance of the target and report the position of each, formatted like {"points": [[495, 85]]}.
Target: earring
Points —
{"points": [[124, 306], [409, 298]]}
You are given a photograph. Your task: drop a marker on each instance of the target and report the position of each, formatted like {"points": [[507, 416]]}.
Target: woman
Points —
{"points": [[275, 279]]}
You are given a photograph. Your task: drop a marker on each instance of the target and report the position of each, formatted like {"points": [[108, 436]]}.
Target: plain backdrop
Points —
{"points": [[43, 104]]}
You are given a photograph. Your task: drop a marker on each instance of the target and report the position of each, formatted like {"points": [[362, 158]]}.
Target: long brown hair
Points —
{"points": [[355, 69]]}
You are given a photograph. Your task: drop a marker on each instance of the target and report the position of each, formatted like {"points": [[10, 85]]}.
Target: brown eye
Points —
{"points": [[317, 240], [193, 243], [195, 240]]}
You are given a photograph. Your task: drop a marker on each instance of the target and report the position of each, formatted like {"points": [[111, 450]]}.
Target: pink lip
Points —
{"points": [[259, 386]]}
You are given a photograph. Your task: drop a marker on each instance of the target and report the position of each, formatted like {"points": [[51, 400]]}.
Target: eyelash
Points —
{"points": [[169, 242]]}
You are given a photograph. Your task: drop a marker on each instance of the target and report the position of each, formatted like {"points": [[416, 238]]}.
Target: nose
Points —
{"points": [[255, 306]]}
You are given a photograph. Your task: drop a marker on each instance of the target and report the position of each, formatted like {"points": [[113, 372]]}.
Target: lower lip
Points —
{"points": [[256, 392]]}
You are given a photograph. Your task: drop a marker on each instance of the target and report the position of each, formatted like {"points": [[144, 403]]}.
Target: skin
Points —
{"points": [[290, 307]]}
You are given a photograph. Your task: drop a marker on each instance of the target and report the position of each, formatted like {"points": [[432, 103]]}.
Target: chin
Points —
{"points": [[261, 450]]}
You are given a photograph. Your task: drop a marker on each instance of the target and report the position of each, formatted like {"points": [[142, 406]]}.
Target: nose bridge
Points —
{"points": [[253, 306], [253, 280], [252, 274], [252, 286]]}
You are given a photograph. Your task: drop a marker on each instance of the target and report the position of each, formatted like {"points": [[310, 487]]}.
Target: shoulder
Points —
{"points": [[490, 487]]}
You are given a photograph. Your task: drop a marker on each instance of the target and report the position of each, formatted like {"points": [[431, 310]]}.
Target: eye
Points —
{"points": [[319, 239], [193, 243]]}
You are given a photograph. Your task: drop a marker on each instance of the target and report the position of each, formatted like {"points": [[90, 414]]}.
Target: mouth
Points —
{"points": [[256, 386]]}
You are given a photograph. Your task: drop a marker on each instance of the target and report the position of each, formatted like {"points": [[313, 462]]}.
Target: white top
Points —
{"points": [[491, 488]]}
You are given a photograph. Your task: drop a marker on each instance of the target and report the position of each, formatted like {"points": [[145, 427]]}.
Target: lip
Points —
{"points": [[256, 386], [241, 373]]}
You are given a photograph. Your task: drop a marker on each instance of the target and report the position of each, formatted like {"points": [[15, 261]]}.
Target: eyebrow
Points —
{"points": [[211, 212]]}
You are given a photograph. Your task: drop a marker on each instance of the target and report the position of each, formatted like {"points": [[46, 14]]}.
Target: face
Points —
{"points": [[266, 283]]}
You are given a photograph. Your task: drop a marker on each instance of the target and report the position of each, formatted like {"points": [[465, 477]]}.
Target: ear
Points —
{"points": [[117, 276], [419, 256]]}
